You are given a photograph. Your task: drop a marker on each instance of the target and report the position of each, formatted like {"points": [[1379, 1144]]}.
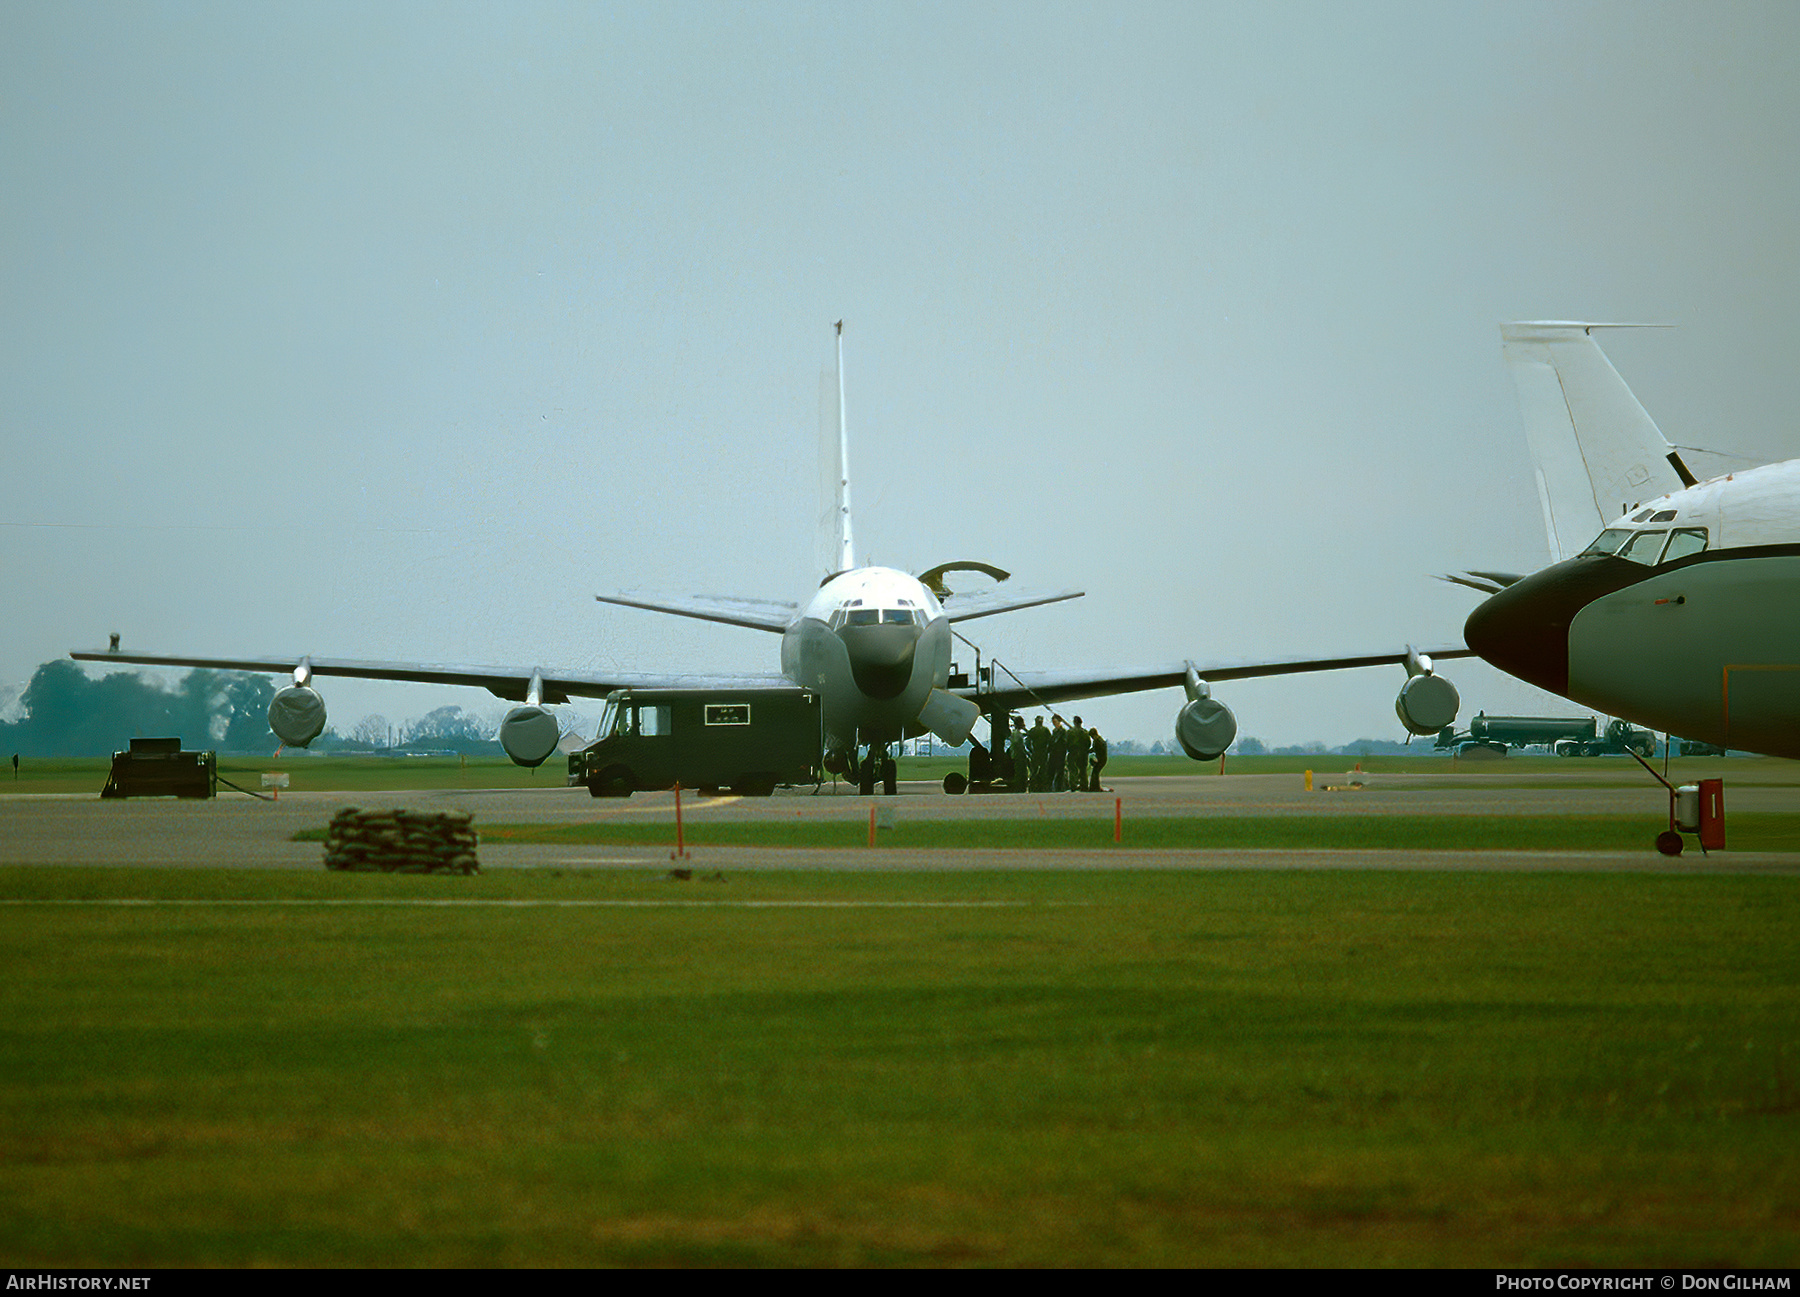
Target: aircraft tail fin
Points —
{"points": [[846, 548], [1596, 452]]}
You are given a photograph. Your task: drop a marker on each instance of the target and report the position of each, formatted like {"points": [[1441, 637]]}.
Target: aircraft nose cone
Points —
{"points": [[1524, 630], [1515, 631], [881, 657]]}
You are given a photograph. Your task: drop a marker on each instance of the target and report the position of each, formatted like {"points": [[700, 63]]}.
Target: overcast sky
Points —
{"points": [[398, 331]]}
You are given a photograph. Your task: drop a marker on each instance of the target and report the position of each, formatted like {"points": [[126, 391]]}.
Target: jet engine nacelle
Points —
{"points": [[529, 735], [297, 715], [1205, 728], [1426, 704]]}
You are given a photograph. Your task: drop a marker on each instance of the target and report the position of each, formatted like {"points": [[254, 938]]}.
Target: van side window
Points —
{"points": [[652, 720], [1685, 541]]}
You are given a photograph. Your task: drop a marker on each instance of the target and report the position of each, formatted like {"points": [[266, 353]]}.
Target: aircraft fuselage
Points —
{"points": [[873, 643], [1684, 615]]}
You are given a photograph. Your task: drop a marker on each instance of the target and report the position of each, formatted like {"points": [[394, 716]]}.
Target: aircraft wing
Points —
{"points": [[511, 683], [1028, 688], [757, 614], [985, 603]]}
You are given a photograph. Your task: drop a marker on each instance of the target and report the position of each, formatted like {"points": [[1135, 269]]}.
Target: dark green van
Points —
{"points": [[749, 741]]}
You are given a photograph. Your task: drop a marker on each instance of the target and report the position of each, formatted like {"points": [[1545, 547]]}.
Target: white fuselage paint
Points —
{"points": [[873, 643], [1704, 645]]}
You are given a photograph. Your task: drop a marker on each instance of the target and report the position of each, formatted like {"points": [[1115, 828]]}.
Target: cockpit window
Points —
{"points": [[1666, 515], [1608, 541], [863, 617], [898, 617], [1643, 515], [1645, 547], [1685, 541]]}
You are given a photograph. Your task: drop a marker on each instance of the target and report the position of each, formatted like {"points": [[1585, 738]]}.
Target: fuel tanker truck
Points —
{"points": [[1567, 736]]}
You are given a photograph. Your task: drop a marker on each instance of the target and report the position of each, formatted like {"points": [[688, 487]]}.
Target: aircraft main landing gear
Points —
{"points": [[878, 765]]}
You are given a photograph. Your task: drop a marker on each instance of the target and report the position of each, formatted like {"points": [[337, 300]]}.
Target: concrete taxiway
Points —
{"points": [[242, 832]]}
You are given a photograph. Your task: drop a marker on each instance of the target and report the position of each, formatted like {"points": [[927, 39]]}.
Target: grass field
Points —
{"points": [[887, 1067]]}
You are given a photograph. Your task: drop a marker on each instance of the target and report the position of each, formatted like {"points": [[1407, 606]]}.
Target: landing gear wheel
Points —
{"points": [[890, 777], [1669, 842], [865, 778], [954, 783]]}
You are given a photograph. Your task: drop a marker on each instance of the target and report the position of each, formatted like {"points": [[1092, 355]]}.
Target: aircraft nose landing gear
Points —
{"points": [[878, 765]]}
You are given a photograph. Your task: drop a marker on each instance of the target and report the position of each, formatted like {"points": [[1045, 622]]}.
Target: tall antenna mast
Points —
{"points": [[846, 550]]}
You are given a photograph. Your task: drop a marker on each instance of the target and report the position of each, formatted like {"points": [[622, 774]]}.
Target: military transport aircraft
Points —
{"points": [[1683, 614], [873, 643]]}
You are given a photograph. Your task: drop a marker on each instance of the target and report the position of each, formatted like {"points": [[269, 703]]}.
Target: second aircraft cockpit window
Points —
{"points": [[1647, 547], [1644, 547], [1607, 542]]}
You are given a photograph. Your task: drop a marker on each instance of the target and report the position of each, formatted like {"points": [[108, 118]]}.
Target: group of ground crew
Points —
{"points": [[1055, 758]]}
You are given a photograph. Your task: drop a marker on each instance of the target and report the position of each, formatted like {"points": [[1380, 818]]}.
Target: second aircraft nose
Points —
{"points": [[1524, 630]]}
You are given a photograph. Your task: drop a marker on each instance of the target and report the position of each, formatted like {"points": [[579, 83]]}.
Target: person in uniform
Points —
{"points": [[1078, 758], [1058, 772], [1037, 751], [1099, 749], [1015, 748]]}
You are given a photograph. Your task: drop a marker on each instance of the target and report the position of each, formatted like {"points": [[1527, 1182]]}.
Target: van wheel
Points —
{"points": [[614, 781], [954, 783]]}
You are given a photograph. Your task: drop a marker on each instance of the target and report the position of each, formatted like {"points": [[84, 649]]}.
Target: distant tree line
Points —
{"points": [[67, 713], [445, 729], [1254, 747]]}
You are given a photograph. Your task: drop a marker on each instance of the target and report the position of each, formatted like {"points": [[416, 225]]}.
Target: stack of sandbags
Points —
{"points": [[403, 842]]}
